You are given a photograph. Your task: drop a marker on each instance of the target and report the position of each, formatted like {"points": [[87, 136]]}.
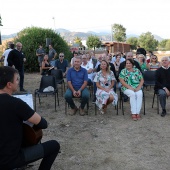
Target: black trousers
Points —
{"points": [[46, 151], [21, 74]]}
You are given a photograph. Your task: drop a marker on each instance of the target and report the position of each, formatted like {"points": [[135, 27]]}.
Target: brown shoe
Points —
{"points": [[82, 112], [73, 111]]}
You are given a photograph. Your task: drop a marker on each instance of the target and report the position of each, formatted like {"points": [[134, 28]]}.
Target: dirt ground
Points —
{"points": [[105, 142]]}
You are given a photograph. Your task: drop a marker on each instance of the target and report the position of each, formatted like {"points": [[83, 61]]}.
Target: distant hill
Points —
{"points": [[70, 35]]}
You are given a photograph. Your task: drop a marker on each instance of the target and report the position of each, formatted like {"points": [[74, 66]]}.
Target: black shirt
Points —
{"points": [[15, 58], [162, 78], [13, 112]]}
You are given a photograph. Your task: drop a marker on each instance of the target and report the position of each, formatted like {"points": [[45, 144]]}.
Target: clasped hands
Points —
{"points": [[135, 90], [77, 93]]}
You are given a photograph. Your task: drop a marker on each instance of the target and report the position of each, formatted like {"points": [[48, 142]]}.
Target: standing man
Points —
{"points": [[13, 112], [6, 53], [89, 67], [52, 53], [16, 60], [77, 86], [162, 84], [40, 52], [62, 64]]}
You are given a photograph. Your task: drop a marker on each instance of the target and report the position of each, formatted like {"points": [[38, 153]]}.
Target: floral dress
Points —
{"points": [[101, 95]]}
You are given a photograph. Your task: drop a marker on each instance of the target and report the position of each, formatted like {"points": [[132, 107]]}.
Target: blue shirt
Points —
{"points": [[77, 78], [62, 65]]}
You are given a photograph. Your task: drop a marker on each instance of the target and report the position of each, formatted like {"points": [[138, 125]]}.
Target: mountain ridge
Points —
{"points": [[70, 35]]}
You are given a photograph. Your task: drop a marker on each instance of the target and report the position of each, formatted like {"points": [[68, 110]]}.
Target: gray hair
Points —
{"points": [[77, 57], [165, 57]]}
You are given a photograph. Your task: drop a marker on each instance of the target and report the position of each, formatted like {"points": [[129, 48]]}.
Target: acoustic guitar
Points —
{"points": [[31, 135]]}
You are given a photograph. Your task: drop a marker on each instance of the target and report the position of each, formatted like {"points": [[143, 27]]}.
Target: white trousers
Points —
{"points": [[135, 100]]}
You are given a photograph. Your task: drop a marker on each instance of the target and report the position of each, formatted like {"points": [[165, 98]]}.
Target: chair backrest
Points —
{"points": [[47, 81], [149, 78], [58, 74]]}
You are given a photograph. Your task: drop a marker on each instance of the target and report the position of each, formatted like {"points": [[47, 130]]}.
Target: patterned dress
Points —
{"points": [[101, 95]]}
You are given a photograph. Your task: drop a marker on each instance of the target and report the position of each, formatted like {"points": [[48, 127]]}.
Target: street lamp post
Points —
{"points": [[0, 30], [54, 22]]}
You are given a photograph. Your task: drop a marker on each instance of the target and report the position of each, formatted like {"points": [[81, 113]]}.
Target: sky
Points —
{"points": [[137, 16]]}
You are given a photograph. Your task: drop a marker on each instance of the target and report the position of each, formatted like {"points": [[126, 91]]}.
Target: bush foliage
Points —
{"points": [[31, 37]]}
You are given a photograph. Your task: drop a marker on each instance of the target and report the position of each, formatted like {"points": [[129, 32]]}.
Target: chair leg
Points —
{"points": [[65, 108], [57, 98], [122, 103], [88, 107], [157, 103], [95, 109], [35, 102], [144, 102], [120, 100], [153, 99], [55, 101]]}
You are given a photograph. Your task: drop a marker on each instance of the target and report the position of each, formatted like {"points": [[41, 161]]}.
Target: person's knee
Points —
{"points": [[51, 146], [67, 95]]}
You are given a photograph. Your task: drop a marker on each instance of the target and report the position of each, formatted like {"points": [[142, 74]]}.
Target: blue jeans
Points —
{"points": [[84, 98]]}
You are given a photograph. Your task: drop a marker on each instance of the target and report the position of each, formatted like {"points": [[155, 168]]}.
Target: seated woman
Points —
{"points": [[142, 62], [105, 94], [132, 81], [154, 63], [46, 67]]}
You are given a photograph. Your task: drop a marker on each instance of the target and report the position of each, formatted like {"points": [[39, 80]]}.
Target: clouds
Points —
{"points": [[137, 16]]}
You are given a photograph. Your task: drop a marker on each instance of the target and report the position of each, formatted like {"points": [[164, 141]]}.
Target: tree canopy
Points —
{"points": [[147, 41], [31, 37], [119, 33], [93, 42], [133, 41]]}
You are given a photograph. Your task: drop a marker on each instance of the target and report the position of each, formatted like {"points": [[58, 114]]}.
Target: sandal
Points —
{"points": [[134, 117], [138, 116]]}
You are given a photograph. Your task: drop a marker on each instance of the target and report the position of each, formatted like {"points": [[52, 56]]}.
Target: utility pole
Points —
{"points": [[0, 30], [111, 33], [54, 23]]}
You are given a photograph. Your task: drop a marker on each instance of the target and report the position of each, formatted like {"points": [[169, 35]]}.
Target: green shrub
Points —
{"points": [[31, 38]]}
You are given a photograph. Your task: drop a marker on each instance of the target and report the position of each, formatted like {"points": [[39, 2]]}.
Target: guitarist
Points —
{"points": [[13, 112]]}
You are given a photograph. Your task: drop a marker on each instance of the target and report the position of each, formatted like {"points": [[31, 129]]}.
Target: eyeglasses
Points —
{"points": [[61, 56], [83, 58], [154, 58]]}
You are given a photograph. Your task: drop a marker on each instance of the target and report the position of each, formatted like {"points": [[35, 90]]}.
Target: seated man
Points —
{"points": [[62, 64], [89, 67], [13, 112], [162, 84], [77, 82]]}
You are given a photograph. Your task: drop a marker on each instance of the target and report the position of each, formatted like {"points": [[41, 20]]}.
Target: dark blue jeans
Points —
{"points": [[21, 82], [84, 98]]}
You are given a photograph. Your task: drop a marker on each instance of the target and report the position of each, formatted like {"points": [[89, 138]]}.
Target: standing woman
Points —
{"points": [[132, 81], [46, 67], [105, 94], [142, 62], [117, 64], [154, 63]]}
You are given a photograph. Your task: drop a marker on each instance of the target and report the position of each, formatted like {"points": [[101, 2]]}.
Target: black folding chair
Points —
{"points": [[47, 81], [149, 78], [58, 74]]}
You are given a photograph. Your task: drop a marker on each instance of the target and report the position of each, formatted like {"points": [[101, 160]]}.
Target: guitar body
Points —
{"points": [[31, 135]]}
